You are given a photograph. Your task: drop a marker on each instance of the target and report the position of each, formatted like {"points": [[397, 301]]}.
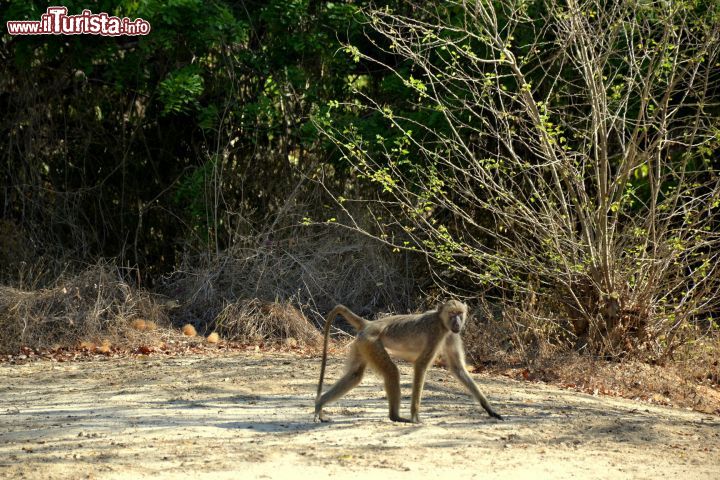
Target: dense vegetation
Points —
{"points": [[554, 163]]}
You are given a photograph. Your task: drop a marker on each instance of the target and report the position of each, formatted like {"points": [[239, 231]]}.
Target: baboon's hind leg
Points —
{"points": [[380, 361], [353, 375]]}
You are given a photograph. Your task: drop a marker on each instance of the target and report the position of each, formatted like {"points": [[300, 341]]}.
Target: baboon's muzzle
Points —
{"points": [[455, 323]]}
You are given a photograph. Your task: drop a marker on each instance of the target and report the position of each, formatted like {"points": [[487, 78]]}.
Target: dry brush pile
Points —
{"points": [[96, 304], [258, 290], [263, 289]]}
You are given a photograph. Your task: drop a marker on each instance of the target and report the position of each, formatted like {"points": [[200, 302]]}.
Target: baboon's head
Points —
{"points": [[453, 314]]}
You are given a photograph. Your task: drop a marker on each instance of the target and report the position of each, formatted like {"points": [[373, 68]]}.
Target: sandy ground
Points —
{"points": [[249, 415]]}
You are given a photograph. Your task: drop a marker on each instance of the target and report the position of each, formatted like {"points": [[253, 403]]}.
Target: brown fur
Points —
{"points": [[418, 338]]}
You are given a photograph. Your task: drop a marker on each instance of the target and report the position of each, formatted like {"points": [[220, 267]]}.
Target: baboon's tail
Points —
{"points": [[356, 321]]}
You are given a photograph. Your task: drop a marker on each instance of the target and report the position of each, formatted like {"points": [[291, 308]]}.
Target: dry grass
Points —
{"points": [[527, 346], [313, 270], [94, 305], [688, 384], [259, 290], [521, 342], [670, 384], [497, 334], [258, 321]]}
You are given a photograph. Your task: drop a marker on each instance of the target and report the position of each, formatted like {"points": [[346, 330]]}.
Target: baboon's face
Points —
{"points": [[454, 313]]}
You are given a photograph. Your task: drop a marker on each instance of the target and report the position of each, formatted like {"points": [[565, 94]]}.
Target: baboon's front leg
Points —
{"points": [[454, 355]]}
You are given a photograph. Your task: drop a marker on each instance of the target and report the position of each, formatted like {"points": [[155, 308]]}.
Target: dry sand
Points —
{"points": [[249, 415]]}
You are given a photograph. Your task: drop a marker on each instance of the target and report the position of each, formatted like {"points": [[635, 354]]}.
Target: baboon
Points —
{"points": [[417, 338]]}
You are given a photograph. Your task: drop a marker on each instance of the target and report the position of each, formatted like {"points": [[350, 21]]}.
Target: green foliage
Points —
{"points": [[126, 130], [181, 90]]}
